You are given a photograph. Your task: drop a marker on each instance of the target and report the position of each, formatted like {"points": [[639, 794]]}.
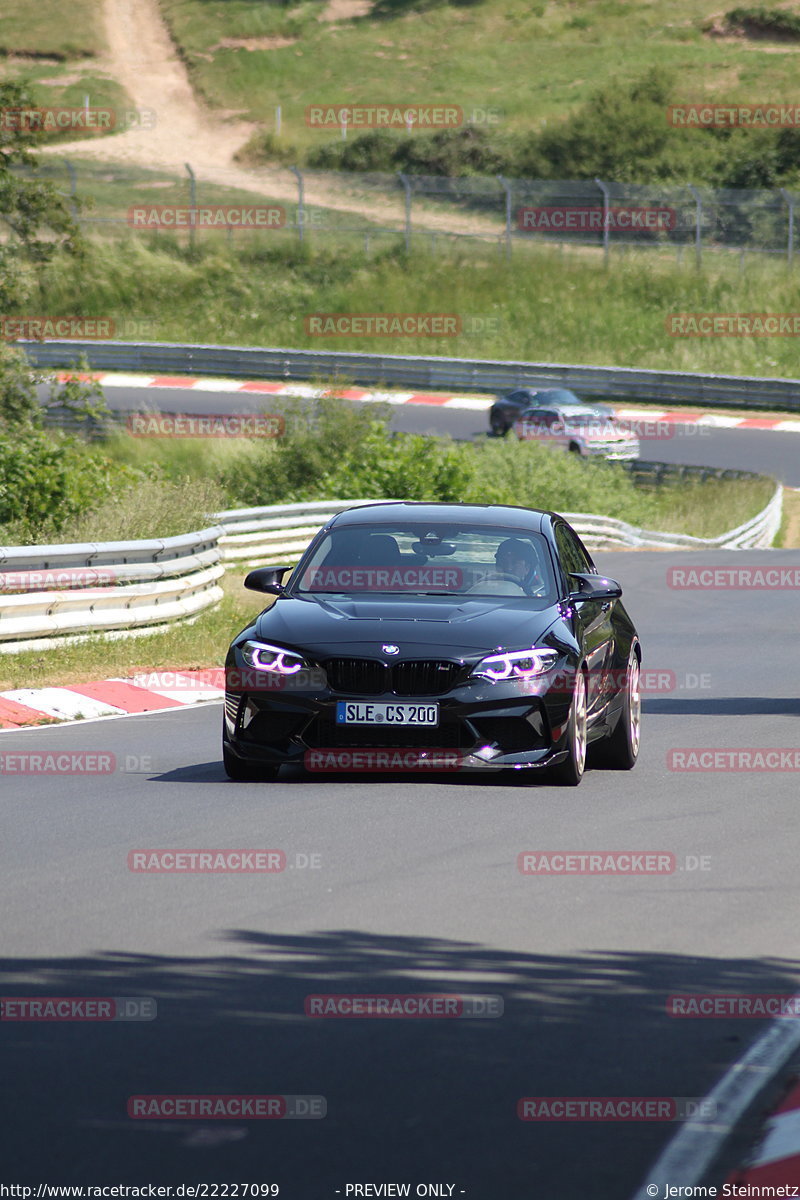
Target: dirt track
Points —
{"points": [[143, 59]]}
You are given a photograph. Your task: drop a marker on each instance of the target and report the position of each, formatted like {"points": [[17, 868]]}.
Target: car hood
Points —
{"points": [[419, 625]]}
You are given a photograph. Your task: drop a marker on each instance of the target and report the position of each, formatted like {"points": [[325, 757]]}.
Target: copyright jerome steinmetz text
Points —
{"points": [[752, 1190]]}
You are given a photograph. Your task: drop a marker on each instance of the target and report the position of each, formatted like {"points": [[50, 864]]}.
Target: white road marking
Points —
{"points": [[61, 702], [694, 1147]]}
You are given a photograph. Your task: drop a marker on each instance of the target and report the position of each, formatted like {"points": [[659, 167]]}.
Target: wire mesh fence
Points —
{"points": [[424, 211]]}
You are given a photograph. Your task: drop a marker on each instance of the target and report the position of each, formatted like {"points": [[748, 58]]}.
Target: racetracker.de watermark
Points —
{"points": [[400, 1006], [78, 1008], [62, 118], [208, 425], [233, 679], [734, 1004], [737, 324], [583, 218], [740, 578], [385, 759], [652, 681], [59, 579], [206, 216], [226, 1107], [613, 1108], [206, 861], [384, 116], [63, 762], [732, 116], [648, 429], [376, 579], [40, 327], [398, 324], [609, 862], [756, 758]]}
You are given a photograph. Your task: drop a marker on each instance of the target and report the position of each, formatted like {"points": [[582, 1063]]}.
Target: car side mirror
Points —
{"points": [[593, 587], [267, 579]]}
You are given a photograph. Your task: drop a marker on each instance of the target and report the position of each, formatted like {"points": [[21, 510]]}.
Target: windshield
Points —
{"points": [[584, 416], [426, 559]]}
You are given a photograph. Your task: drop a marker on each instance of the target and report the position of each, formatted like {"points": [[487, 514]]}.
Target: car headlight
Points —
{"points": [[516, 664], [264, 657]]}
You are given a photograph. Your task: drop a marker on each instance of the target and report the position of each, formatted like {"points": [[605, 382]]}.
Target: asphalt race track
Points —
{"points": [[758, 450], [409, 885]]}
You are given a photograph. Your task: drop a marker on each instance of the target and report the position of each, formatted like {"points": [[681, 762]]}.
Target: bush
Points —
{"points": [[321, 436], [620, 133], [405, 466], [46, 480], [466, 151], [766, 21]]}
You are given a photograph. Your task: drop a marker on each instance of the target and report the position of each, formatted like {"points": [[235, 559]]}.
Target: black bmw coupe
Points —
{"points": [[427, 637]]}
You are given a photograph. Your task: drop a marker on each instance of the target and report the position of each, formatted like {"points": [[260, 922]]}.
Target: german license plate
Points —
{"points": [[352, 713]]}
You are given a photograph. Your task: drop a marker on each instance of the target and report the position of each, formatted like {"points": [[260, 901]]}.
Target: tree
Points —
{"points": [[35, 220]]}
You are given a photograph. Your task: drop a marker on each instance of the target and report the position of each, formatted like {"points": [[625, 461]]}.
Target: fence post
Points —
{"points": [[301, 212], [193, 205], [507, 188], [277, 120], [604, 190], [407, 188], [790, 244], [698, 224]]}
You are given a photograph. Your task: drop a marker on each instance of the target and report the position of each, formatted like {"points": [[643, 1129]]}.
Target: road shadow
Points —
{"points": [[408, 1100], [722, 706]]}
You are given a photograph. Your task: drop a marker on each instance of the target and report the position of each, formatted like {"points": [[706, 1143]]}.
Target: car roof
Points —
{"points": [[532, 519], [546, 394]]}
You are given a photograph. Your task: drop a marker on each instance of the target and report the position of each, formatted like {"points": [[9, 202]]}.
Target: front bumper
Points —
{"points": [[613, 450], [482, 726]]}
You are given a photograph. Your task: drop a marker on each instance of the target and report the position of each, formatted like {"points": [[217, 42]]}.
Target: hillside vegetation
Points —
{"points": [[582, 89]]}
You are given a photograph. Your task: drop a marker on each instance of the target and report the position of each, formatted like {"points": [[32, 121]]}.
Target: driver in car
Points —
{"points": [[517, 558]]}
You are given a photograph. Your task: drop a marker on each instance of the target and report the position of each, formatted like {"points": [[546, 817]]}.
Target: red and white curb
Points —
{"points": [[776, 1159], [438, 399], [148, 692]]}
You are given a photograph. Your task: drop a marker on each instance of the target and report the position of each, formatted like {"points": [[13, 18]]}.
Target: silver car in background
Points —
{"points": [[578, 429]]}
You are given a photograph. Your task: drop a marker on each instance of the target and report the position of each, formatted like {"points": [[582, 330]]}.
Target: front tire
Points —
{"points": [[569, 773], [247, 772], [498, 426], [620, 751]]}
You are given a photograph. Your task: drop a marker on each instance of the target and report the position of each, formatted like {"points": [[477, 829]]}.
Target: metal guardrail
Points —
{"points": [[481, 375], [268, 537], [606, 533], [146, 585], [94, 587]]}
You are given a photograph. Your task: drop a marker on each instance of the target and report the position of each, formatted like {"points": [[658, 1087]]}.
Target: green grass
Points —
{"points": [[52, 28], [707, 509], [553, 56], [541, 306]]}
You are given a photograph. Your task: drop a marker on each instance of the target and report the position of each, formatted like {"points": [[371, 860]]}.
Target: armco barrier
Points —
{"points": [[170, 579], [153, 583], [482, 375]]}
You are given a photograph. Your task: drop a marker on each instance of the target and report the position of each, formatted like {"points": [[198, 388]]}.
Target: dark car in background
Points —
{"points": [[510, 405], [414, 636]]}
